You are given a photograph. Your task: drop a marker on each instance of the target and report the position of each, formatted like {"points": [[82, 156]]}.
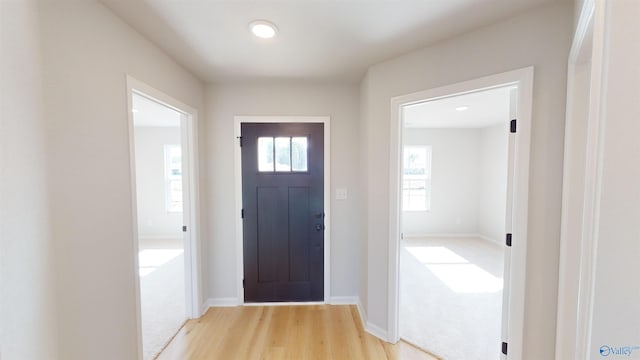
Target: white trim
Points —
{"points": [[418, 236], [290, 303], [343, 300], [159, 237], [192, 205], [326, 120], [362, 313], [572, 320], [593, 185], [488, 239], [439, 235], [221, 302], [523, 78], [370, 327], [377, 331]]}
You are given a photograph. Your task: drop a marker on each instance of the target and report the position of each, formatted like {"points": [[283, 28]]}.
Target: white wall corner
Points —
{"points": [[344, 300]]}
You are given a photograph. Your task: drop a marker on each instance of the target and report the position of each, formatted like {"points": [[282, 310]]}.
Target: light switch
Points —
{"points": [[341, 194]]}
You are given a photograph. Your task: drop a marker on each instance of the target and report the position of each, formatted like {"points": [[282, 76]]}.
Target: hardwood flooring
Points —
{"points": [[283, 332]]}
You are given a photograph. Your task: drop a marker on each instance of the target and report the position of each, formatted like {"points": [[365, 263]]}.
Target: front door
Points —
{"points": [[283, 211]]}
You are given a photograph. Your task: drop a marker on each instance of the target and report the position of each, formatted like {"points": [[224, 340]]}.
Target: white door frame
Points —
{"points": [[584, 128], [326, 120], [516, 278], [191, 209]]}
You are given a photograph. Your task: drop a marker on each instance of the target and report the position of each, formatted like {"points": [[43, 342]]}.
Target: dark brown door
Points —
{"points": [[283, 211]]}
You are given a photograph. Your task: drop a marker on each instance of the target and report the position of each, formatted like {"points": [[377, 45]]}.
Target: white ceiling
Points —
{"points": [[485, 108], [318, 40], [148, 113]]}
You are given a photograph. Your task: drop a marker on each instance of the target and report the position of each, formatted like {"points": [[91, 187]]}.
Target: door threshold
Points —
{"points": [[280, 303]]}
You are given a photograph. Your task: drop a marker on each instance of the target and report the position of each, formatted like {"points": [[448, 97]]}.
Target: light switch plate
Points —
{"points": [[341, 194]]}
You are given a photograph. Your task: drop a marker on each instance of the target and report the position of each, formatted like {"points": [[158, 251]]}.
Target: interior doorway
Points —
{"points": [[514, 237], [158, 151], [164, 201], [454, 205]]}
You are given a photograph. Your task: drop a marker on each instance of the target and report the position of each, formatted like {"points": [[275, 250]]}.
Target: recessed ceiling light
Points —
{"points": [[462, 108], [263, 29]]}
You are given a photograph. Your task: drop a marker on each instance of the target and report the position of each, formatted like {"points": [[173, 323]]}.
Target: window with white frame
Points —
{"points": [[416, 178], [173, 177]]}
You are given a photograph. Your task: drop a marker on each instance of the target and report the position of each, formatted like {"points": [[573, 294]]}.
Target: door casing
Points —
{"points": [[238, 120], [191, 208], [515, 279]]}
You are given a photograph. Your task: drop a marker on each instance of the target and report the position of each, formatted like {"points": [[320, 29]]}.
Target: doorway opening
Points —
{"points": [[454, 197], [164, 212], [458, 216], [282, 197]]}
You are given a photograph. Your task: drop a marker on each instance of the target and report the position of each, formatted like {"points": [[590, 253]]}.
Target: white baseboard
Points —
{"points": [[369, 327], [291, 303], [363, 315], [221, 302], [343, 300], [486, 238], [438, 235], [377, 331], [160, 237], [450, 236]]}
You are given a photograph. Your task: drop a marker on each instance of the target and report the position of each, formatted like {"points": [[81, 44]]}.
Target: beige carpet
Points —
{"points": [[162, 298], [451, 297]]}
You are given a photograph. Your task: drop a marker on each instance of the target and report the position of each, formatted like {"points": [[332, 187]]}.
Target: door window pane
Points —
{"points": [[283, 154], [299, 154], [265, 154]]}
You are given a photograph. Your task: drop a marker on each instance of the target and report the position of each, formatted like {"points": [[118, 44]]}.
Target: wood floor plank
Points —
{"points": [[322, 332]]}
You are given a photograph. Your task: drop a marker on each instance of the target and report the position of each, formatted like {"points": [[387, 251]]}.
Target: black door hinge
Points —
{"points": [[239, 138], [504, 348], [243, 283], [514, 126], [242, 214], [509, 240], [184, 228]]}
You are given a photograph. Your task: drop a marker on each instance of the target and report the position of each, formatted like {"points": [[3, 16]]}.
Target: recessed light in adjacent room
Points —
{"points": [[263, 29], [462, 108]]}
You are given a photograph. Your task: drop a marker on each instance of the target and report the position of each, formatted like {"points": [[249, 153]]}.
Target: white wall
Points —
{"points": [[27, 295], [492, 197], [540, 38], [154, 221], [469, 182], [87, 53], [454, 182], [363, 208], [616, 310], [223, 103]]}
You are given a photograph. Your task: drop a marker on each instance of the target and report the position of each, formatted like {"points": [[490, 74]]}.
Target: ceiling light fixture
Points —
{"points": [[263, 29], [462, 108]]}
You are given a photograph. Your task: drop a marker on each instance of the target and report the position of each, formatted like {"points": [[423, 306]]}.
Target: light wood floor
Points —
{"points": [[283, 332]]}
